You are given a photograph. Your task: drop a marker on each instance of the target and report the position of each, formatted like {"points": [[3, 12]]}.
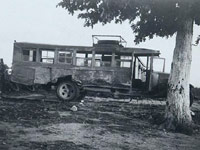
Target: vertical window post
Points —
{"points": [[136, 68], [86, 60], [93, 58], [74, 58], [30, 55], [151, 70], [147, 66], [132, 71], [38, 55], [56, 56], [113, 60]]}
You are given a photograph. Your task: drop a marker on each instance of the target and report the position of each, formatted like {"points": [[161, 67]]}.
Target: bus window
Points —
{"points": [[98, 60], [88, 61], [65, 57], [29, 55], [106, 60], [158, 64], [103, 60], [84, 59], [47, 56], [124, 62]]}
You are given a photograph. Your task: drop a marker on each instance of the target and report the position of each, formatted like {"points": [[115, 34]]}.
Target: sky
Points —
{"points": [[40, 21]]}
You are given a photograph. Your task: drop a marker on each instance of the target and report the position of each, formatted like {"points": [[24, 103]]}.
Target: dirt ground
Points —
{"points": [[98, 124]]}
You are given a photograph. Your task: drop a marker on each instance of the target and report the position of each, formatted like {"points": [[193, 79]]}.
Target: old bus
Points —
{"points": [[107, 65]]}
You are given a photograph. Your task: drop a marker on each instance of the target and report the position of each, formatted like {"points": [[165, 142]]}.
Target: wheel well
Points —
{"points": [[65, 78]]}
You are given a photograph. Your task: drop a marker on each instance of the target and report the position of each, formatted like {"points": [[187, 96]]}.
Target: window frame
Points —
{"points": [[50, 58], [85, 59], [34, 54], [65, 57]]}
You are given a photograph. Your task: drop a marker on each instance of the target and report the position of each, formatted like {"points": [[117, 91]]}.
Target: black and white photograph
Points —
{"points": [[100, 75]]}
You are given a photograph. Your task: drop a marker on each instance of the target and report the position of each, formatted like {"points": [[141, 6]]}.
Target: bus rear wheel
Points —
{"points": [[67, 91]]}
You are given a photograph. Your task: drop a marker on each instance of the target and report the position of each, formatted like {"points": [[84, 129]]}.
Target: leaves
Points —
{"points": [[148, 18], [198, 40]]}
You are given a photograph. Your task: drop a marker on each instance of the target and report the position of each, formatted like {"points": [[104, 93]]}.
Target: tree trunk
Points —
{"points": [[177, 114]]}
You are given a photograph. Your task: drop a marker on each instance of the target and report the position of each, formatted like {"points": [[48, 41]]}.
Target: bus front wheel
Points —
{"points": [[67, 91]]}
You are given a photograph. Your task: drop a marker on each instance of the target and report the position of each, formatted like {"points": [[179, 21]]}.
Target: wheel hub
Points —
{"points": [[66, 91]]}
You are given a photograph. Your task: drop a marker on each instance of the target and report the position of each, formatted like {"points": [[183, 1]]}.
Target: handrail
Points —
{"points": [[141, 63], [121, 39]]}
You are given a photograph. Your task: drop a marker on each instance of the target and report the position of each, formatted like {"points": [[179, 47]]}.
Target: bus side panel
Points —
{"points": [[23, 75], [42, 75], [94, 77], [17, 53], [57, 73], [103, 77], [159, 78], [154, 79], [122, 76], [163, 77]]}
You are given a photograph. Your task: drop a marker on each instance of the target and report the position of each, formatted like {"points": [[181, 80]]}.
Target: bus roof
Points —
{"points": [[98, 49]]}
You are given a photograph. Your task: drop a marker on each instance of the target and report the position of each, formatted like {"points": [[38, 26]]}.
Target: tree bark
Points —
{"points": [[177, 114]]}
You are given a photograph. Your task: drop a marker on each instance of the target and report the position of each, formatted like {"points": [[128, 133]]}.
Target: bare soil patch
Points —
{"points": [[99, 123]]}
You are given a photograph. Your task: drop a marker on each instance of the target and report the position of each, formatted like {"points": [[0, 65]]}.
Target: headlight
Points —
{"points": [[9, 71]]}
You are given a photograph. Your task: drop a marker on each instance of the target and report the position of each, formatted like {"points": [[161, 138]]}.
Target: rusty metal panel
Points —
{"points": [[94, 77], [158, 78], [163, 77], [57, 73], [122, 76], [42, 75], [104, 77], [154, 79], [98, 76], [23, 75]]}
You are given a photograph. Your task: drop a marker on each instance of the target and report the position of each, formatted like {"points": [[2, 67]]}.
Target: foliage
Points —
{"points": [[198, 40], [148, 18]]}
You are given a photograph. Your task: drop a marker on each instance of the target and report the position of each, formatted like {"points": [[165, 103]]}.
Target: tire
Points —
{"points": [[67, 91]]}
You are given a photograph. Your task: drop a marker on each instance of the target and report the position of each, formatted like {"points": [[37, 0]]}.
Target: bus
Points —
{"points": [[107, 65]]}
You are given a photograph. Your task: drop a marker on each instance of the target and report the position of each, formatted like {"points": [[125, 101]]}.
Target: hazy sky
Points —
{"points": [[41, 22]]}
